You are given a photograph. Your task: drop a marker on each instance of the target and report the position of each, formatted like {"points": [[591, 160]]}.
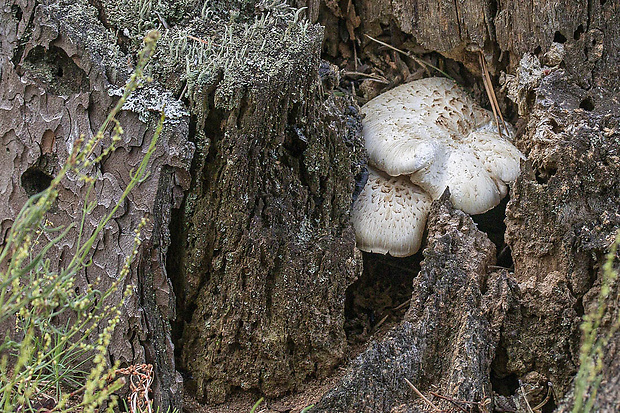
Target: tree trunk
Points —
{"points": [[560, 75], [59, 65], [266, 250], [249, 253], [446, 341], [263, 249]]}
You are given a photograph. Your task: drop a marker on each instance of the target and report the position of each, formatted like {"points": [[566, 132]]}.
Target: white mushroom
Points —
{"points": [[389, 215], [432, 131]]}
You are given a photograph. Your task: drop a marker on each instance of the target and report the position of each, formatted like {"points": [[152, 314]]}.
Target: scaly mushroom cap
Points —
{"points": [[389, 215], [432, 131]]}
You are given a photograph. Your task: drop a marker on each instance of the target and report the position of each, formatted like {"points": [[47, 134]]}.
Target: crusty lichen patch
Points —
{"points": [[236, 46]]}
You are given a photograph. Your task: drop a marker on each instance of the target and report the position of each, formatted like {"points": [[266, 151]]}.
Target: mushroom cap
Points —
{"points": [[431, 130], [389, 215]]}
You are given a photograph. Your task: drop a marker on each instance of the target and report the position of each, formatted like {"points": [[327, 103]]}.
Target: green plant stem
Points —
{"points": [[592, 349]]}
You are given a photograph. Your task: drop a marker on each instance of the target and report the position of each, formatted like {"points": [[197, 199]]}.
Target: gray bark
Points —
{"points": [[560, 64], [447, 340]]}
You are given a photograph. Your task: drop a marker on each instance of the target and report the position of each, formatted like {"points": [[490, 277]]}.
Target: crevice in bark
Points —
{"points": [[587, 104], [558, 37], [458, 20], [295, 139], [35, 181], [38, 177], [381, 291], [544, 173], [173, 269], [578, 307], [19, 50], [578, 32], [17, 12], [101, 15], [492, 223], [186, 287], [590, 8], [490, 13], [55, 71], [504, 385]]}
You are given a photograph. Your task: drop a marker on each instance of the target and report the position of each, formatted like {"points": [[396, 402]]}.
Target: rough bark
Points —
{"points": [[561, 62], [564, 210], [268, 249], [263, 252], [504, 30], [60, 69], [263, 249], [446, 342], [562, 216]]}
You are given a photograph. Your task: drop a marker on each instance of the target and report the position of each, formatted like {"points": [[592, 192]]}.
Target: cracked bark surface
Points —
{"points": [[263, 248], [266, 248], [58, 67], [446, 341]]}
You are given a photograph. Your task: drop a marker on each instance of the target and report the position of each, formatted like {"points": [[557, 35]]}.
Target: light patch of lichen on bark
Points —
{"points": [[133, 18], [82, 21], [230, 54], [234, 53], [228, 46]]}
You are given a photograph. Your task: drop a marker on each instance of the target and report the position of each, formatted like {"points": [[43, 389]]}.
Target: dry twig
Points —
{"points": [[409, 55], [542, 404], [453, 401], [376, 327], [524, 395], [427, 401], [488, 86], [370, 76], [406, 303]]}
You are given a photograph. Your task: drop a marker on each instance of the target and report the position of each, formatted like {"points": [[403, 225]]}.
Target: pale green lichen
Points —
{"points": [[152, 100], [232, 53], [100, 45], [233, 43], [133, 18], [80, 19]]}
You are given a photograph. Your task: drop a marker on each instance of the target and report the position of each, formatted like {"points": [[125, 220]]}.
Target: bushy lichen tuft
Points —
{"points": [[133, 18], [231, 52], [231, 43]]}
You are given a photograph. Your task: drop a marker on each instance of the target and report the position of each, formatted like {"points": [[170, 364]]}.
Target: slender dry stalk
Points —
{"points": [[488, 86], [411, 56], [427, 401]]}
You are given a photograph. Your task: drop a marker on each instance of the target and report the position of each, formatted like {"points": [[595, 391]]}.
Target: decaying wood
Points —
{"points": [[269, 251], [261, 250], [447, 339], [564, 209]]}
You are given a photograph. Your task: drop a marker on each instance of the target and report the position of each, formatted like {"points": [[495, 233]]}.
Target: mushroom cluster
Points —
{"points": [[423, 137]]}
